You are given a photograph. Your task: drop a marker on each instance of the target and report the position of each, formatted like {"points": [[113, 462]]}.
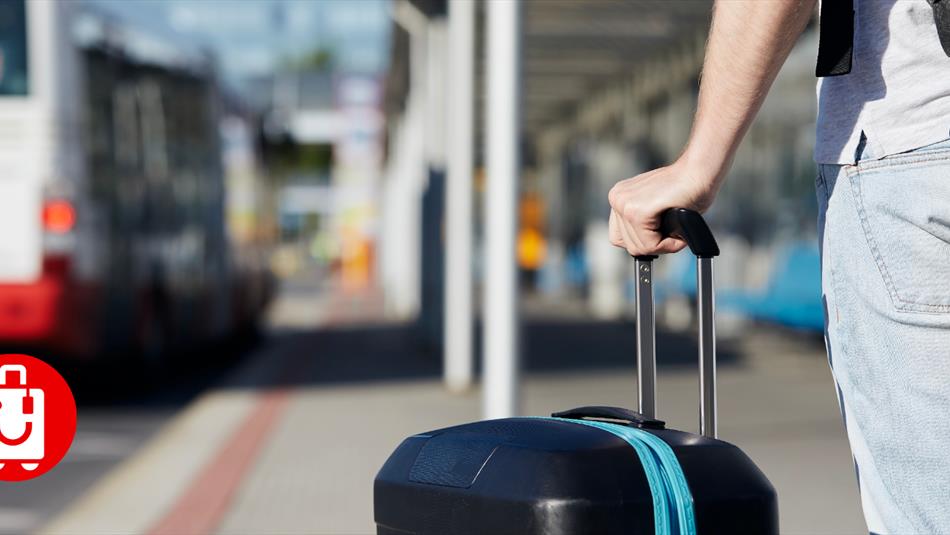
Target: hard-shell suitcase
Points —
{"points": [[591, 470]]}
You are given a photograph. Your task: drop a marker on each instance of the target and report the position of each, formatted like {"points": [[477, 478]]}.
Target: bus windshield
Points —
{"points": [[14, 77]]}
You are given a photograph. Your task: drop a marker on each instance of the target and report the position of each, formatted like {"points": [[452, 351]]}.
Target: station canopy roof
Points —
{"points": [[574, 48]]}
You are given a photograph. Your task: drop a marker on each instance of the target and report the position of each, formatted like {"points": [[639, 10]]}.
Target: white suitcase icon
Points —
{"points": [[21, 420]]}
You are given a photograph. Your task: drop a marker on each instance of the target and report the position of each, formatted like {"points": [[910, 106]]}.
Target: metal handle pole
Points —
{"points": [[646, 338], [706, 309]]}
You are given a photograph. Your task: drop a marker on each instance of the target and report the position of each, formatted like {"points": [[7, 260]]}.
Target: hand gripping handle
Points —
{"points": [[689, 226]]}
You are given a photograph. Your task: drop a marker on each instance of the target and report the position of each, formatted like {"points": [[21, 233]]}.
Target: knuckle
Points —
{"points": [[613, 196]]}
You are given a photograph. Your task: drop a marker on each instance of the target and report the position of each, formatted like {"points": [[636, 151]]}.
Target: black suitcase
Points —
{"points": [[566, 475]]}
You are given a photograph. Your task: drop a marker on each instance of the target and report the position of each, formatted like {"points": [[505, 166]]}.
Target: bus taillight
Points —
{"points": [[59, 216]]}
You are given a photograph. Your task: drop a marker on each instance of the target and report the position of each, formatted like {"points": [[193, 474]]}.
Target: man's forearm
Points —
{"points": [[748, 42]]}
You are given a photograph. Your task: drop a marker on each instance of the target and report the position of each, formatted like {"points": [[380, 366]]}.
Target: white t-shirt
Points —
{"points": [[898, 90]]}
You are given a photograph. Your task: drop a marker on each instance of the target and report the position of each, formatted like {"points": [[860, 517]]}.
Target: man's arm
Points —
{"points": [[748, 42]]}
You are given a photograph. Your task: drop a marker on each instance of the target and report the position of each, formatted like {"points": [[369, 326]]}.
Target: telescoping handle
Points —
{"points": [[690, 226]]}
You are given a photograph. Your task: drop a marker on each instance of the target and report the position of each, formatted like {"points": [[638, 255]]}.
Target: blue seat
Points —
{"points": [[791, 298], [794, 294]]}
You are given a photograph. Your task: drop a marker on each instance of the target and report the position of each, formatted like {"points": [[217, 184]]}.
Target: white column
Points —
{"points": [[457, 347], [401, 253], [503, 120], [435, 97]]}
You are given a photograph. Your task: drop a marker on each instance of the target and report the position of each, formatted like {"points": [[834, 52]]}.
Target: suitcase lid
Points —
{"points": [[534, 475]]}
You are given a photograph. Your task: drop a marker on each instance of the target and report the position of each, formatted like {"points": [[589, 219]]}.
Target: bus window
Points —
{"points": [[13, 58]]}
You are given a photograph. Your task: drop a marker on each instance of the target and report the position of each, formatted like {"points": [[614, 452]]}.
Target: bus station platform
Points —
{"points": [[291, 440]]}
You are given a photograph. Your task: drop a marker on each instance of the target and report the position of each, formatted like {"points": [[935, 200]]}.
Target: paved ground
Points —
{"points": [[113, 424], [105, 437], [290, 441]]}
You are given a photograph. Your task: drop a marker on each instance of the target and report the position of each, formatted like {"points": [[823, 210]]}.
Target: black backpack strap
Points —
{"points": [[942, 20], [836, 37]]}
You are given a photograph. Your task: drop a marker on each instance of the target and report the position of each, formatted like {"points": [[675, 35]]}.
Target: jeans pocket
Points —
{"points": [[939, 151], [904, 209]]}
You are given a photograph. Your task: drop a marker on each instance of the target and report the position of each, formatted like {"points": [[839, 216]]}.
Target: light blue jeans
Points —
{"points": [[884, 231]]}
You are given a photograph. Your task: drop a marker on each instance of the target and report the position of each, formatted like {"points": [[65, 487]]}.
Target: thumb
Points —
{"points": [[670, 245]]}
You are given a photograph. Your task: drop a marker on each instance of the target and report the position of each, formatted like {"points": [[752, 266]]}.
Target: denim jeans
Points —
{"points": [[884, 232]]}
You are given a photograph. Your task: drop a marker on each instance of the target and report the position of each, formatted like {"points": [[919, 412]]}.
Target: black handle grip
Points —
{"points": [[611, 413], [690, 226]]}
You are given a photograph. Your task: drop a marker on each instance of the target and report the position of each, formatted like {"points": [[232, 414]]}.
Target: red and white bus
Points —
{"points": [[112, 211]]}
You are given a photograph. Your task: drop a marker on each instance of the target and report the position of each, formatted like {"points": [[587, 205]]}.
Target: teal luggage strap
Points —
{"points": [[672, 501]]}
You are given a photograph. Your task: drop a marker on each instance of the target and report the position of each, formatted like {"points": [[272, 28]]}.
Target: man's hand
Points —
{"points": [[748, 42], [637, 203]]}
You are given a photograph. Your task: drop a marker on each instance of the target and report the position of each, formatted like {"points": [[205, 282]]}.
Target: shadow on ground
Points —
{"points": [[357, 354], [364, 353], [122, 381]]}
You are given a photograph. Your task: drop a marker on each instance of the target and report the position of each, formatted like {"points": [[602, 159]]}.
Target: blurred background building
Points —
{"points": [[329, 151], [180, 174]]}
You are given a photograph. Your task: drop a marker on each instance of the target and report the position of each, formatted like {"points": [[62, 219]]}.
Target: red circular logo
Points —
{"points": [[37, 417]]}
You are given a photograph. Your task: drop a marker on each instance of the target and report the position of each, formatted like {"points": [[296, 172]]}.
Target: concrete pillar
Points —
{"points": [[433, 196], [457, 357], [609, 162], [407, 174], [503, 122]]}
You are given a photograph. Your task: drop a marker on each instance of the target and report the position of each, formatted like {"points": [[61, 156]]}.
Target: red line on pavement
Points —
{"points": [[204, 503]]}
